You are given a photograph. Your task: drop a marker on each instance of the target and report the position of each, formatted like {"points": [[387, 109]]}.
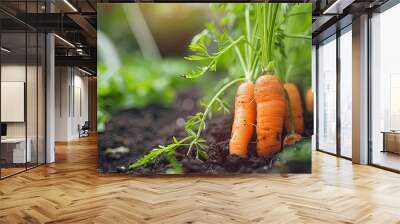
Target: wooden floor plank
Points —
{"points": [[71, 191]]}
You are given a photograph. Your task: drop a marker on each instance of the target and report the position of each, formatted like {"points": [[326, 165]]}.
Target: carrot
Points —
{"points": [[310, 100], [271, 109], [244, 119], [296, 110]]}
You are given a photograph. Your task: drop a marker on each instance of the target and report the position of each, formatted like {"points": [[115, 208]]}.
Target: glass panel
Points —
{"points": [[23, 88], [13, 86], [41, 99], [31, 97], [346, 94], [327, 96], [385, 84], [32, 88]]}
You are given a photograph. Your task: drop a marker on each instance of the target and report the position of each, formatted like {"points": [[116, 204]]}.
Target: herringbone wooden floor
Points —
{"points": [[70, 191]]}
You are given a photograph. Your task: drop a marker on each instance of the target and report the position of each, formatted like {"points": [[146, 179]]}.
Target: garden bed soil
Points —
{"points": [[140, 130]]}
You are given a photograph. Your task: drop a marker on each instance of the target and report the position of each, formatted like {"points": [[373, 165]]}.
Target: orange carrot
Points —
{"points": [[271, 109], [310, 100], [296, 110], [244, 119]]}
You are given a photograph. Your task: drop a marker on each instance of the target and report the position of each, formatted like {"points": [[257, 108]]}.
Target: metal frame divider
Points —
{"points": [[0, 93], [369, 78], [338, 76], [26, 87], [317, 97]]}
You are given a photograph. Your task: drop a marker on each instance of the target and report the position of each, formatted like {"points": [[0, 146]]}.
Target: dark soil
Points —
{"points": [[141, 130], [144, 129]]}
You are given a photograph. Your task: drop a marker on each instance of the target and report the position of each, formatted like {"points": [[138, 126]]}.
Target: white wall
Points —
{"points": [[12, 73], [70, 83], [62, 81], [80, 100]]}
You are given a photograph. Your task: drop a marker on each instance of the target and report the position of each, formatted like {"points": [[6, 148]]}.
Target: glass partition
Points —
{"points": [[327, 95], [22, 77], [346, 93], [14, 151], [41, 110], [31, 99], [385, 88]]}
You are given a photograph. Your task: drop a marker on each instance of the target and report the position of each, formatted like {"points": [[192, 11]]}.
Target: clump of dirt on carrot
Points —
{"points": [[296, 124], [291, 139], [244, 120]]}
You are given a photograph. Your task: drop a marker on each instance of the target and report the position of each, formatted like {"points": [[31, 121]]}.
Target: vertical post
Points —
{"points": [[360, 90], [316, 111], [0, 96], [338, 76], [26, 88], [50, 92], [369, 80], [313, 87]]}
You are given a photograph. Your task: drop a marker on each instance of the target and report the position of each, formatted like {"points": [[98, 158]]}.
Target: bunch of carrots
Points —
{"points": [[268, 106], [264, 107]]}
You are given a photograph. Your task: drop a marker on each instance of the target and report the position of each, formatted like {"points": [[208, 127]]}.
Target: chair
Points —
{"points": [[84, 130]]}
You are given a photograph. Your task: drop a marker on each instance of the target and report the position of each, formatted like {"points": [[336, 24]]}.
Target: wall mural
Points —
{"points": [[204, 89]]}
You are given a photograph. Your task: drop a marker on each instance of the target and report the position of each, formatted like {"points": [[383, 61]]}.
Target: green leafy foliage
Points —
{"points": [[138, 83], [155, 154], [201, 54], [194, 123], [293, 44], [176, 165], [150, 157]]}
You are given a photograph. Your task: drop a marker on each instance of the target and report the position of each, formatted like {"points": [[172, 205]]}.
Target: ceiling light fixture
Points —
{"points": [[64, 40], [337, 7], [5, 50], [70, 5], [79, 51], [84, 71]]}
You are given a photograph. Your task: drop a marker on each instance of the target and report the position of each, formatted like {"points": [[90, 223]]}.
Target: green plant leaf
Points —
{"points": [[176, 165]]}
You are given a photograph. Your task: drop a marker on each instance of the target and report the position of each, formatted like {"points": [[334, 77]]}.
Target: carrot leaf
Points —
{"points": [[199, 47], [154, 155]]}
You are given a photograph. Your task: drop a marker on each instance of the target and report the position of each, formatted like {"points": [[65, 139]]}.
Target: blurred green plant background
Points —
{"points": [[141, 50], [141, 53]]}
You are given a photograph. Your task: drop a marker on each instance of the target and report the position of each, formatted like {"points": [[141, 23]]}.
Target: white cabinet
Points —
{"points": [[18, 149]]}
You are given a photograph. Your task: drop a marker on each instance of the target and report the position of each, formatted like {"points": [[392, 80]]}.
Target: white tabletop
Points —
{"points": [[13, 140]]}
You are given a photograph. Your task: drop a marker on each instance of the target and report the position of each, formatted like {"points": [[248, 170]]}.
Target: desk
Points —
{"points": [[18, 150], [391, 141]]}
